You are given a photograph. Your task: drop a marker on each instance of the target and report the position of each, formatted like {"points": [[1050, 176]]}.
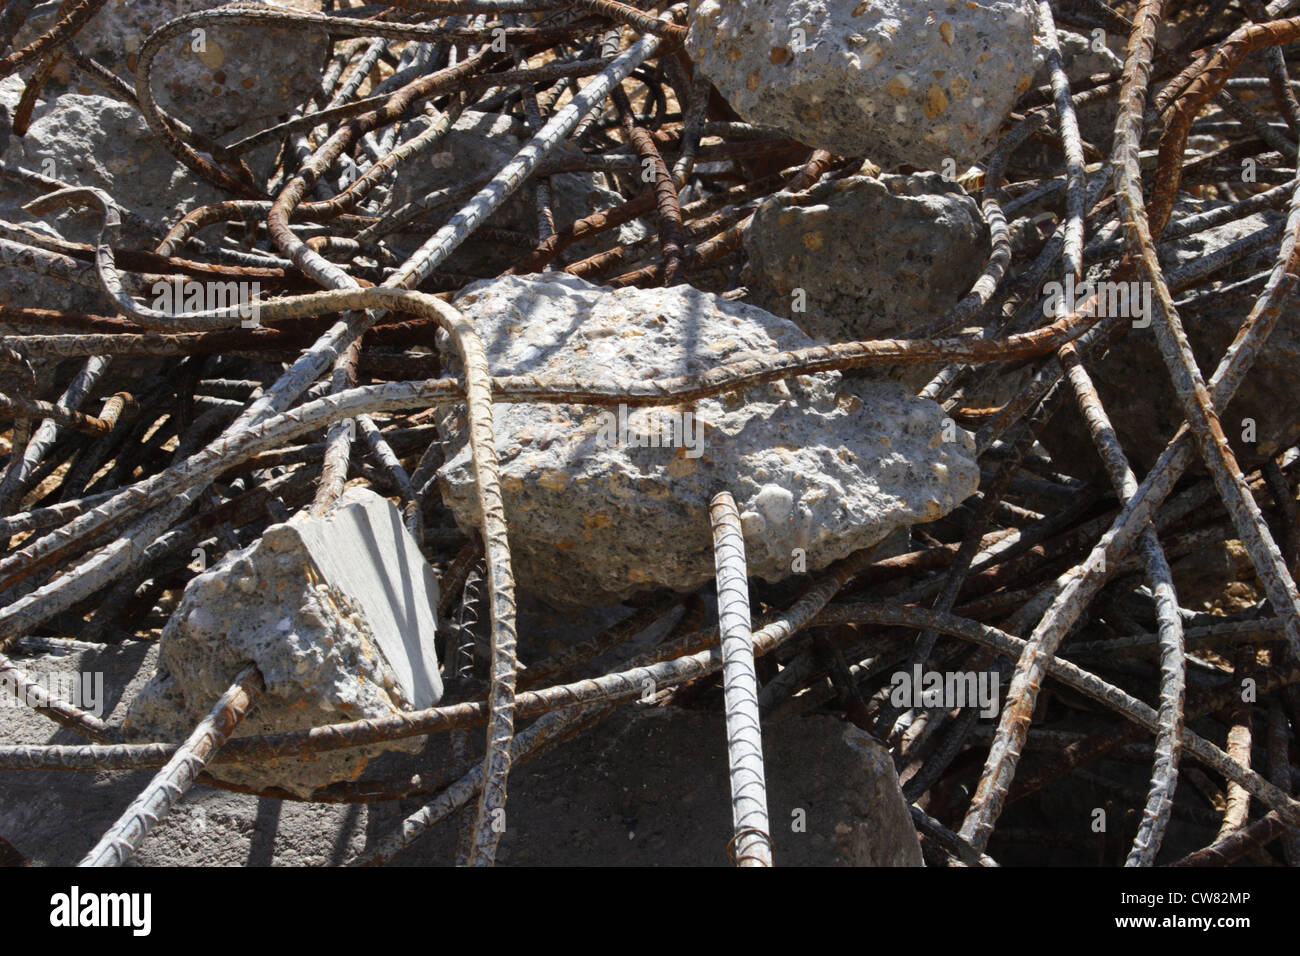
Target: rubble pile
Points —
{"points": [[880, 412]]}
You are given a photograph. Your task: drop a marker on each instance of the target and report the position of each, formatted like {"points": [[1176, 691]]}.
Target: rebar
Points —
{"points": [[751, 843], [122, 839], [138, 431]]}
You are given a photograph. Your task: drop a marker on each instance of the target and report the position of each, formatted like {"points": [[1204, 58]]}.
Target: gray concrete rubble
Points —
{"points": [[338, 613], [87, 140], [220, 81], [894, 80], [924, 247], [882, 833], [648, 785], [214, 80], [92, 140], [606, 503]]}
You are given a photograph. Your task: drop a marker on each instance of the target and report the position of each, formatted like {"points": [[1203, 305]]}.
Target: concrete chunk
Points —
{"points": [[339, 615], [607, 503], [215, 76], [881, 833], [894, 80], [926, 246], [364, 550]]}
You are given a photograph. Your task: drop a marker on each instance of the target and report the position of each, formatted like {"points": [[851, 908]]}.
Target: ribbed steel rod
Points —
{"points": [[752, 844], [165, 790]]}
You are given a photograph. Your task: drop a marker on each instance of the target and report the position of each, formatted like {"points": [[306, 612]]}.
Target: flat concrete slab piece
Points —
{"points": [[363, 549], [338, 612]]}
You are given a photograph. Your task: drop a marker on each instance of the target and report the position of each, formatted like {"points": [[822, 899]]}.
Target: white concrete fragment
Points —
{"points": [[339, 615], [363, 549], [898, 81], [604, 504]]}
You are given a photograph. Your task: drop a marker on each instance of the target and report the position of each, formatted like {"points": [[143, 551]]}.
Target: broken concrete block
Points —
{"points": [[95, 141], [605, 503], [651, 786], [925, 246], [214, 76], [893, 80], [882, 833], [647, 786], [219, 81], [338, 613]]}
